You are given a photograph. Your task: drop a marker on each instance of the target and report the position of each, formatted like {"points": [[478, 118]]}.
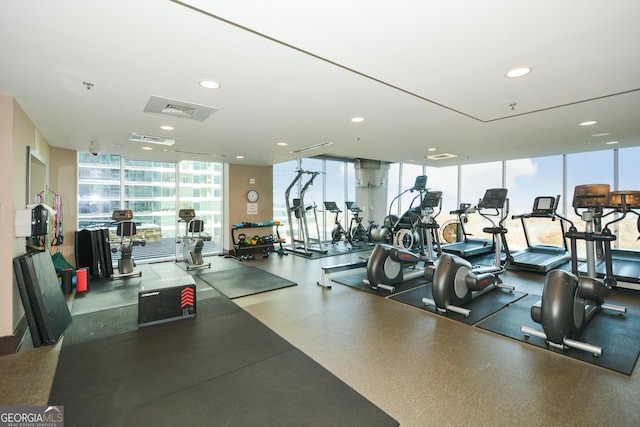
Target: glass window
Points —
{"points": [[98, 188], [594, 167], [393, 189], [313, 198], [283, 176], [107, 183], [476, 180], [526, 180], [445, 180], [410, 199], [335, 179], [628, 179], [198, 189]]}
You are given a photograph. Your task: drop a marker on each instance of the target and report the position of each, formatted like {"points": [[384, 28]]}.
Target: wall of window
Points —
{"points": [[445, 180], [524, 178], [154, 191], [527, 179], [628, 179], [335, 182], [475, 180]]}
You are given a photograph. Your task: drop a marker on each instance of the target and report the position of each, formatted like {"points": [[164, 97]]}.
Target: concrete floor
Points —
{"points": [[422, 369]]}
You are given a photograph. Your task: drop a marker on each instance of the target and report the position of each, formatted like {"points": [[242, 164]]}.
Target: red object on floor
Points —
{"points": [[81, 280]]}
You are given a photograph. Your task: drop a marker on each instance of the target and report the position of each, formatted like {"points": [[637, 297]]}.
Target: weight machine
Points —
{"points": [[299, 209]]}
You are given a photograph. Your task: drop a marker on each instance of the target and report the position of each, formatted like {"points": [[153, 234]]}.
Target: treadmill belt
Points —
{"points": [[540, 259]]}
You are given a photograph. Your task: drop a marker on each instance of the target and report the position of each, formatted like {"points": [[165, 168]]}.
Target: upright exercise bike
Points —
{"points": [[570, 301], [192, 242], [338, 231], [126, 230], [357, 231], [455, 281]]}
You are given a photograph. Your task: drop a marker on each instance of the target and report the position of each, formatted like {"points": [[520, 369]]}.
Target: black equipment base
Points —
{"points": [[617, 335], [481, 307]]}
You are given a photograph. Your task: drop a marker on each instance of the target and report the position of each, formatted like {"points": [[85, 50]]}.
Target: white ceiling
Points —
{"points": [[423, 74]]}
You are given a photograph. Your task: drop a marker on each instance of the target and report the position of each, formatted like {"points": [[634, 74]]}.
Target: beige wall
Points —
{"points": [[238, 185], [6, 216], [17, 133]]}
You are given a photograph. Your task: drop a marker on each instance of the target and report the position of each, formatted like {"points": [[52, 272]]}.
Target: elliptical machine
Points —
{"points": [[455, 281], [568, 301], [125, 229], [386, 265], [192, 243]]}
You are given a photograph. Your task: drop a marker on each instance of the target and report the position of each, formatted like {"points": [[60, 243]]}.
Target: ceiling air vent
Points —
{"points": [[151, 139], [442, 156], [180, 109], [311, 147], [194, 152]]}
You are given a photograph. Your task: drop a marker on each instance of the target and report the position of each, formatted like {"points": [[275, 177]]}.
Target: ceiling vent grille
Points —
{"points": [[180, 109], [311, 147], [194, 152], [151, 139], [442, 156]]}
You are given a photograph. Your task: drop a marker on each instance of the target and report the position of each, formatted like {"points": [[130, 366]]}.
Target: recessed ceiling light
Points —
{"points": [[209, 84], [147, 148], [595, 135], [588, 123], [612, 142], [357, 119], [239, 157], [167, 127], [431, 149], [518, 72], [282, 144]]}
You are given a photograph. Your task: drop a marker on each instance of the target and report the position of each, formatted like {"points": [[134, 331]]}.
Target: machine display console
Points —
{"points": [[494, 198], [431, 199], [421, 183], [544, 205]]}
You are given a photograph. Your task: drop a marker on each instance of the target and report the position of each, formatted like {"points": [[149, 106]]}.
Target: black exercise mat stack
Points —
{"points": [[93, 250], [223, 367], [44, 304]]}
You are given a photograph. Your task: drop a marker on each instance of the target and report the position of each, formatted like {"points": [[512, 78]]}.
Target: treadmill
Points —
{"points": [[467, 246], [626, 262], [541, 258]]}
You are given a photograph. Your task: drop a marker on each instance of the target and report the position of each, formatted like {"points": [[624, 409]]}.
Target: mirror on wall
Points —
{"points": [[36, 175]]}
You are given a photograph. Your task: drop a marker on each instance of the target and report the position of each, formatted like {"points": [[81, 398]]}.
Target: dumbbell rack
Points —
{"points": [[247, 249]]}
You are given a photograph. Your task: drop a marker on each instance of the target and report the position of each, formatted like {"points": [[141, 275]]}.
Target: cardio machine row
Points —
{"points": [[569, 299]]}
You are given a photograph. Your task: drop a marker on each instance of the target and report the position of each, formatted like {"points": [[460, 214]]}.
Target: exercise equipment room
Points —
{"points": [[283, 216]]}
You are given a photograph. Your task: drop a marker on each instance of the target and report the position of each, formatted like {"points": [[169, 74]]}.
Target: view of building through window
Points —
{"points": [[154, 191]]}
